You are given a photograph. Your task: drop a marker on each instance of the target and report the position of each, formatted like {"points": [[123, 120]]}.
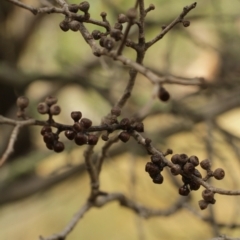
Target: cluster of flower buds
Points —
{"points": [[207, 194], [186, 166], [154, 168], [128, 126], [74, 22], [79, 129], [49, 106], [51, 139]]}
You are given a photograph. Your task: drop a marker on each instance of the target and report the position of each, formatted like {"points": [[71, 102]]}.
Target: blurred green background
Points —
{"points": [[40, 191]]}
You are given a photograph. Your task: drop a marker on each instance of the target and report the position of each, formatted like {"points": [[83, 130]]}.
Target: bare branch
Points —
{"points": [[10, 146], [23, 5], [179, 19], [71, 225]]}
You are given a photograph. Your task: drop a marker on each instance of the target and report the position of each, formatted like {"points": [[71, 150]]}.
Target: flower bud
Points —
{"points": [[55, 109], [84, 6], [42, 108], [124, 136], [205, 164], [58, 147], [22, 102], [50, 100], [76, 116], [219, 174], [86, 123]]}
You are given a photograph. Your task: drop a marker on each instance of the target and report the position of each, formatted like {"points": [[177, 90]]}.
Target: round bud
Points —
{"points": [[183, 158], [74, 25], [84, 6], [86, 123], [96, 34], [118, 26], [208, 195], [64, 26], [92, 139], [158, 179], [205, 164], [139, 127], [76, 116], [194, 160], [22, 102], [80, 139], [184, 190], [43, 108], [175, 159], [131, 13], [108, 43], [186, 23], [186, 180], [116, 34], [77, 127], [45, 129], [69, 134], [168, 152], [176, 169], [194, 185], [58, 147], [152, 169], [103, 15], [55, 109], [125, 124], [73, 8], [156, 158], [202, 204], [49, 146], [197, 173], [151, 7], [163, 94], [116, 111], [101, 41], [188, 168], [124, 136], [219, 173], [48, 137], [122, 18], [50, 100]]}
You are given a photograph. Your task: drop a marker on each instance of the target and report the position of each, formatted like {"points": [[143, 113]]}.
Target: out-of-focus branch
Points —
{"points": [[71, 225], [179, 19], [11, 142]]}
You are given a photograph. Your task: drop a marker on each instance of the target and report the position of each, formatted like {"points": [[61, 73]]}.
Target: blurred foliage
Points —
{"points": [[38, 59]]}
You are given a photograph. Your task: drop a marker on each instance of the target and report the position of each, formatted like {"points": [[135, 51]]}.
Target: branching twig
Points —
{"points": [[179, 19], [70, 226]]}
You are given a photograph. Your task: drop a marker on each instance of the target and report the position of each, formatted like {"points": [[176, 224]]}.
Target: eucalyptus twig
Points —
{"points": [[141, 210], [25, 6], [11, 142], [179, 19], [104, 151], [131, 14], [71, 225]]}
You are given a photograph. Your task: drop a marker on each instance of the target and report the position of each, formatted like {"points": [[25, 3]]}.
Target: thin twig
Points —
{"points": [[179, 19], [10, 147], [71, 225], [25, 6]]}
